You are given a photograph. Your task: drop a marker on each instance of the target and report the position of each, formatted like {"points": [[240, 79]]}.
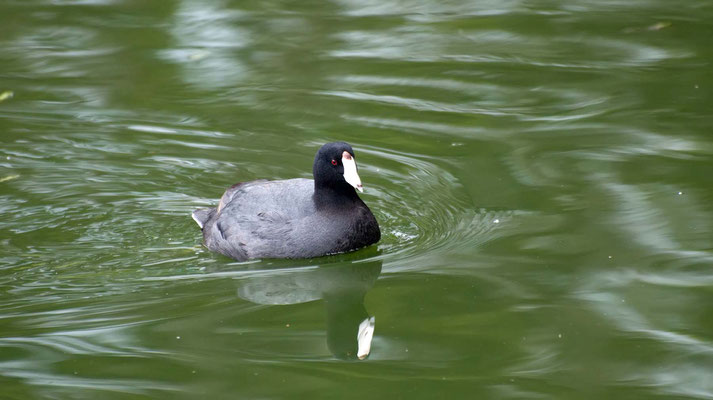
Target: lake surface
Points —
{"points": [[542, 174]]}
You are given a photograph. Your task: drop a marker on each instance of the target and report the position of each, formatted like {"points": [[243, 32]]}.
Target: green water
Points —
{"points": [[542, 173]]}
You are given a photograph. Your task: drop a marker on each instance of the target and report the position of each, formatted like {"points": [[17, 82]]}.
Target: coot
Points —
{"points": [[293, 218]]}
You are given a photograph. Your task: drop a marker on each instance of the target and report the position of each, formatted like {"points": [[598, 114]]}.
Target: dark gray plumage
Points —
{"points": [[294, 218]]}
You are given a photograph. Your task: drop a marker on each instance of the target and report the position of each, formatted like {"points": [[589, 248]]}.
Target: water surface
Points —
{"points": [[541, 173]]}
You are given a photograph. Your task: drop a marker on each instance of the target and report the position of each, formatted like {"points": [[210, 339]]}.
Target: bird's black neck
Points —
{"points": [[335, 196]]}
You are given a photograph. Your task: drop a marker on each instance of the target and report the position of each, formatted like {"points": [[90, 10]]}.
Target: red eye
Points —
{"points": [[334, 162]]}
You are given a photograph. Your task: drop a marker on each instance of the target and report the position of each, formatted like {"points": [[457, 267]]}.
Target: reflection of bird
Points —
{"points": [[294, 218], [343, 287]]}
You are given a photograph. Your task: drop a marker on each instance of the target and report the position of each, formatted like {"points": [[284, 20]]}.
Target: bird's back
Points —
{"points": [[258, 219]]}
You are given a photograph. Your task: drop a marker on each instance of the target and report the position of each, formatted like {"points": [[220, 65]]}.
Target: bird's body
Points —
{"points": [[294, 218]]}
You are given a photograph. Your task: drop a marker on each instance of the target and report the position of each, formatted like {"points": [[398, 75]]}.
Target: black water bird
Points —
{"points": [[293, 218]]}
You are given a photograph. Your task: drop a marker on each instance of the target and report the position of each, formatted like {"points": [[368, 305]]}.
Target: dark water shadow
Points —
{"points": [[342, 286]]}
